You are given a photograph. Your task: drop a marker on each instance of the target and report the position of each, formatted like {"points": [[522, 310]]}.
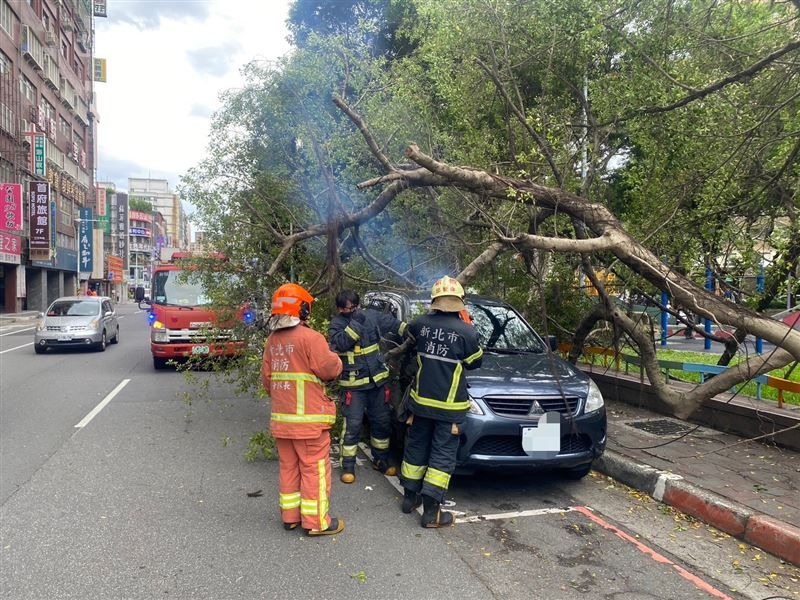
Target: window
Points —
{"points": [[64, 48], [5, 64], [65, 128], [27, 89], [6, 17], [48, 109]]}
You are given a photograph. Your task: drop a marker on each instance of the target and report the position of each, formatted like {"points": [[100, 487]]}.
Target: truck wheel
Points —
{"points": [[159, 363]]}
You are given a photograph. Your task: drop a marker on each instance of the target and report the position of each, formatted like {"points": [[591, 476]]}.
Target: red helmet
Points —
{"points": [[292, 300]]}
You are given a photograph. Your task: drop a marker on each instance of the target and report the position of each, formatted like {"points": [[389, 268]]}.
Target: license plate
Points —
{"points": [[64, 338], [543, 441], [200, 349]]}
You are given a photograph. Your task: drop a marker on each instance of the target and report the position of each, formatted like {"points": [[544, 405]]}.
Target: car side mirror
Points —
{"points": [[109, 313], [553, 341], [144, 302]]}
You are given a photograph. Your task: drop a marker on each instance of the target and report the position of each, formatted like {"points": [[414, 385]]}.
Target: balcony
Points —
{"points": [[50, 68], [31, 47], [68, 95]]}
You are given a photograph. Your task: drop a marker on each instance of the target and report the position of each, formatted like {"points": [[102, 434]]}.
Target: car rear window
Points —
{"points": [[74, 308]]}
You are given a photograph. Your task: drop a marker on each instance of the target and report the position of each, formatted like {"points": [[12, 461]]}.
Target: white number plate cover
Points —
{"points": [[543, 441], [199, 349], [64, 337]]}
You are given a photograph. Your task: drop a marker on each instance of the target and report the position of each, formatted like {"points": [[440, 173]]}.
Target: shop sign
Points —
{"points": [[11, 206], [39, 219], [86, 241], [10, 248], [40, 155]]}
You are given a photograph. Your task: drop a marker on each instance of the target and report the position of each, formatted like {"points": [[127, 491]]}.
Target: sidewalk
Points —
{"points": [[22, 317], [747, 489]]}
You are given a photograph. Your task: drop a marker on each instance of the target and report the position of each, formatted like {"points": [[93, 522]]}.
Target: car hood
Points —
{"points": [[68, 321], [525, 375]]}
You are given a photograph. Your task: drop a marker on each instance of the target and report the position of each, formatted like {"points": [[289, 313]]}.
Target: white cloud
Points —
{"points": [[168, 61]]}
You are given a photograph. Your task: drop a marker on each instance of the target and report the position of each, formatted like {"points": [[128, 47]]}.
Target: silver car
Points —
{"points": [[77, 321]]}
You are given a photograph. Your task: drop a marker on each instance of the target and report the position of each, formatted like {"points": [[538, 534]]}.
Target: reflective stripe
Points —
{"points": [[474, 357], [341, 440], [410, 471], [288, 501], [323, 494], [358, 351], [380, 444], [431, 403], [349, 450], [451, 395], [353, 382], [309, 507], [402, 328], [290, 418], [300, 380], [351, 333], [437, 478]]}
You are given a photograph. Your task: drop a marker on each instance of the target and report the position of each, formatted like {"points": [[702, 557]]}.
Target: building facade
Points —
{"points": [[47, 140]]}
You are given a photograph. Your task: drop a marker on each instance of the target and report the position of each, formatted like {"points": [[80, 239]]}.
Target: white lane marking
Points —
{"points": [[512, 515], [103, 402], [396, 482], [17, 348], [17, 331]]}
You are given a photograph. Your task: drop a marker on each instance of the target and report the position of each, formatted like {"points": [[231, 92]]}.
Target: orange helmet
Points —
{"points": [[292, 300]]}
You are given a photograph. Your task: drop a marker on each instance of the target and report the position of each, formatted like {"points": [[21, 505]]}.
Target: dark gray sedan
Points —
{"points": [[529, 408], [77, 321]]}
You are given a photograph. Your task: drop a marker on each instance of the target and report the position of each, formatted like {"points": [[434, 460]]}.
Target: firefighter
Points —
{"points": [[355, 335], [445, 345], [296, 362]]}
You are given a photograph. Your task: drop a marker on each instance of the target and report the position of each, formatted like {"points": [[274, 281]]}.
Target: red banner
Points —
{"points": [[10, 248], [11, 206], [100, 200]]}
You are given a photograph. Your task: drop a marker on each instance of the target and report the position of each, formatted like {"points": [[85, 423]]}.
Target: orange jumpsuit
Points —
{"points": [[296, 362]]}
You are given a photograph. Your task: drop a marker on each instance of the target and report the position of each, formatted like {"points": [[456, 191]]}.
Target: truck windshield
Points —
{"points": [[173, 287], [500, 328]]}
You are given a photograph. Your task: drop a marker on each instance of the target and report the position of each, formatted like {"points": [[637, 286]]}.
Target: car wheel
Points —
{"points": [[159, 363], [577, 473], [39, 349], [116, 337], [101, 347]]}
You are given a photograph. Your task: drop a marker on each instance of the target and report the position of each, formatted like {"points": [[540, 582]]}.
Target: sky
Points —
{"points": [[167, 63]]}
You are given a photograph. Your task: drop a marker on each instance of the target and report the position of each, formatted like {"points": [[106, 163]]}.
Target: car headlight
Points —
{"points": [[40, 325], [474, 408], [594, 399], [158, 333], [94, 324]]}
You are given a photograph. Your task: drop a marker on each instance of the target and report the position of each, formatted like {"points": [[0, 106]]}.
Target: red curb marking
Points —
{"points": [[719, 516], [659, 558], [774, 536]]}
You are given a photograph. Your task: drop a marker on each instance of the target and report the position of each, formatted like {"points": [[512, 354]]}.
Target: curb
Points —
{"points": [[768, 533]]}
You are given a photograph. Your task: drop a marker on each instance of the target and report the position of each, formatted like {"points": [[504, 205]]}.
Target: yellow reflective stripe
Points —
{"points": [[301, 397], [351, 358], [367, 350], [380, 444], [288, 501], [451, 395], [290, 418], [380, 376], [430, 402], [473, 357], [351, 333], [349, 450], [308, 506], [286, 376], [352, 382], [402, 328], [410, 471], [323, 494], [437, 478], [341, 440]]}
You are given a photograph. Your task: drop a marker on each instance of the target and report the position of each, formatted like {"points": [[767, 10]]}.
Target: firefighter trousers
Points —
{"points": [[429, 458], [304, 483], [377, 403]]}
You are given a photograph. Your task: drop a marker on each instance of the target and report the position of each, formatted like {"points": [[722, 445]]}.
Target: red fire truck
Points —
{"points": [[182, 321]]}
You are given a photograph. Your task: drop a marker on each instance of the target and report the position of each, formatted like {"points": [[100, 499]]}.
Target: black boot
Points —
{"points": [[432, 516], [411, 500]]}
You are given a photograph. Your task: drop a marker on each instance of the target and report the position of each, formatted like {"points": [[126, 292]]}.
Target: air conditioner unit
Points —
{"points": [[50, 38]]}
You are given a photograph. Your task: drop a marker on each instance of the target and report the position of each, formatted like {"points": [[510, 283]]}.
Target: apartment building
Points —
{"points": [[47, 140]]}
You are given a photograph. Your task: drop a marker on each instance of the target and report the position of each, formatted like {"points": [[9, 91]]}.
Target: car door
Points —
{"points": [[109, 318]]}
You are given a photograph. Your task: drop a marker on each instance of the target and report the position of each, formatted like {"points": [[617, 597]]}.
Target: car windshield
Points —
{"points": [[500, 328], [174, 287], [74, 308]]}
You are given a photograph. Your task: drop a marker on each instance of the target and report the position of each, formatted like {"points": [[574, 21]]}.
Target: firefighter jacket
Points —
{"points": [[445, 346], [357, 343], [296, 362]]}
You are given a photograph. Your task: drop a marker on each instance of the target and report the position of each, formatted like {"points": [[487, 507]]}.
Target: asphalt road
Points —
{"points": [[147, 497]]}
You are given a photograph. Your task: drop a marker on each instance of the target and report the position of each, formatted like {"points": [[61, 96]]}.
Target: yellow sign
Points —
{"points": [[100, 69]]}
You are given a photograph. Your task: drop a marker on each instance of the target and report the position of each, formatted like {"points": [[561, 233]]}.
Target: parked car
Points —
{"points": [[77, 321], [520, 380]]}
